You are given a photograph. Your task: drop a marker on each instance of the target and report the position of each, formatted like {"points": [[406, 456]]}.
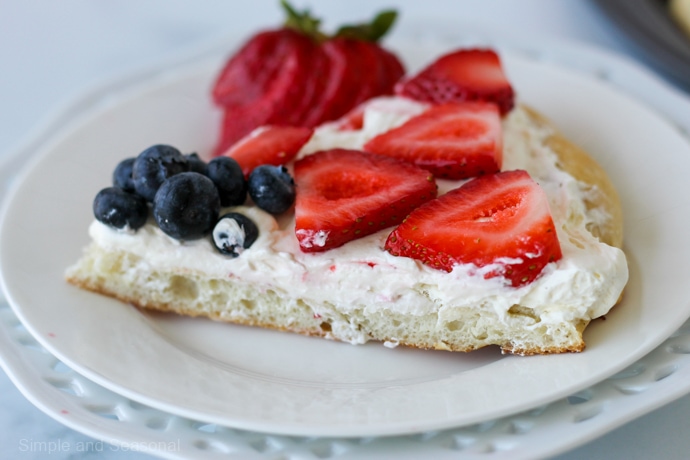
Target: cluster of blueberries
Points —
{"points": [[186, 195]]}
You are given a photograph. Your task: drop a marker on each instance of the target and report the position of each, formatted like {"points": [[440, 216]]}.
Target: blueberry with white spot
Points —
{"points": [[186, 206], [233, 233], [227, 174], [272, 188], [120, 209], [122, 176], [153, 166], [196, 164]]}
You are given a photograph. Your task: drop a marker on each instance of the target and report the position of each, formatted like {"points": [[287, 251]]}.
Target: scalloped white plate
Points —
{"points": [[274, 382]]}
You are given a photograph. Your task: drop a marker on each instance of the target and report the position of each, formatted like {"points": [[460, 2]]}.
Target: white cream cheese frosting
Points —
{"points": [[584, 284]]}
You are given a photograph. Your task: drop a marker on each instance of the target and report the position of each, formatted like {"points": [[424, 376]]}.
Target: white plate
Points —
{"points": [[281, 383]]}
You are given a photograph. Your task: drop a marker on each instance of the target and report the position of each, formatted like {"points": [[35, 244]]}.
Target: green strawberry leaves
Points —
{"points": [[307, 24], [372, 31]]}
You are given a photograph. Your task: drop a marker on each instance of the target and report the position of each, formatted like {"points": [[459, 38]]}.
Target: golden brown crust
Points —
{"points": [[579, 164]]}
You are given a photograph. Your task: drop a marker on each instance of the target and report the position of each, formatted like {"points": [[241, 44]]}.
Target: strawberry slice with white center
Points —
{"points": [[343, 195], [463, 75], [273, 145], [453, 141], [501, 219]]}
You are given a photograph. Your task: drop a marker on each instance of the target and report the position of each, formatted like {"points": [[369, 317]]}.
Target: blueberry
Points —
{"points": [[233, 233], [153, 166], [272, 188], [227, 174], [120, 209], [196, 164], [122, 176], [186, 206]]}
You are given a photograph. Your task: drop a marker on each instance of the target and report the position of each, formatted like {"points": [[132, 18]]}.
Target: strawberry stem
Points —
{"points": [[304, 22], [372, 31]]}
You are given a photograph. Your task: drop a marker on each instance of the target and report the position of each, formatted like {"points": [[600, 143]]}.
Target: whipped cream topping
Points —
{"points": [[584, 284]]}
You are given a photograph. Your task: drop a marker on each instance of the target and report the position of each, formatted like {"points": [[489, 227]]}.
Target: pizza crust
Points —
{"points": [[579, 164]]}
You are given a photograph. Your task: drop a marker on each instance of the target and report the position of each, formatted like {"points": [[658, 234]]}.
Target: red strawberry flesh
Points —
{"points": [[330, 105], [371, 75], [393, 70], [343, 195], [311, 91], [270, 98], [453, 141], [238, 123], [354, 77], [249, 73], [463, 75], [274, 145], [501, 219]]}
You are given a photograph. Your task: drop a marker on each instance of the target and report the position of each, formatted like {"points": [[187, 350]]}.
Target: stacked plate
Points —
{"points": [[180, 387]]}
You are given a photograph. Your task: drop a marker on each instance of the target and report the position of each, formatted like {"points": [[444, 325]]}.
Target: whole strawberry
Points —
{"points": [[296, 75]]}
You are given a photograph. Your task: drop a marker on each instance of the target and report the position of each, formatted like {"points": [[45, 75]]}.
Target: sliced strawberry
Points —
{"points": [[343, 195], [393, 70], [463, 75], [453, 141], [357, 71], [237, 123], [311, 90], [501, 219], [274, 145], [249, 73], [370, 71], [357, 79], [271, 102], [296, 75], [289, 85], [334, 93]]}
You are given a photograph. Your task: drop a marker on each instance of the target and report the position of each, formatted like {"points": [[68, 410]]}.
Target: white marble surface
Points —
{"points": [[51, 51]]}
